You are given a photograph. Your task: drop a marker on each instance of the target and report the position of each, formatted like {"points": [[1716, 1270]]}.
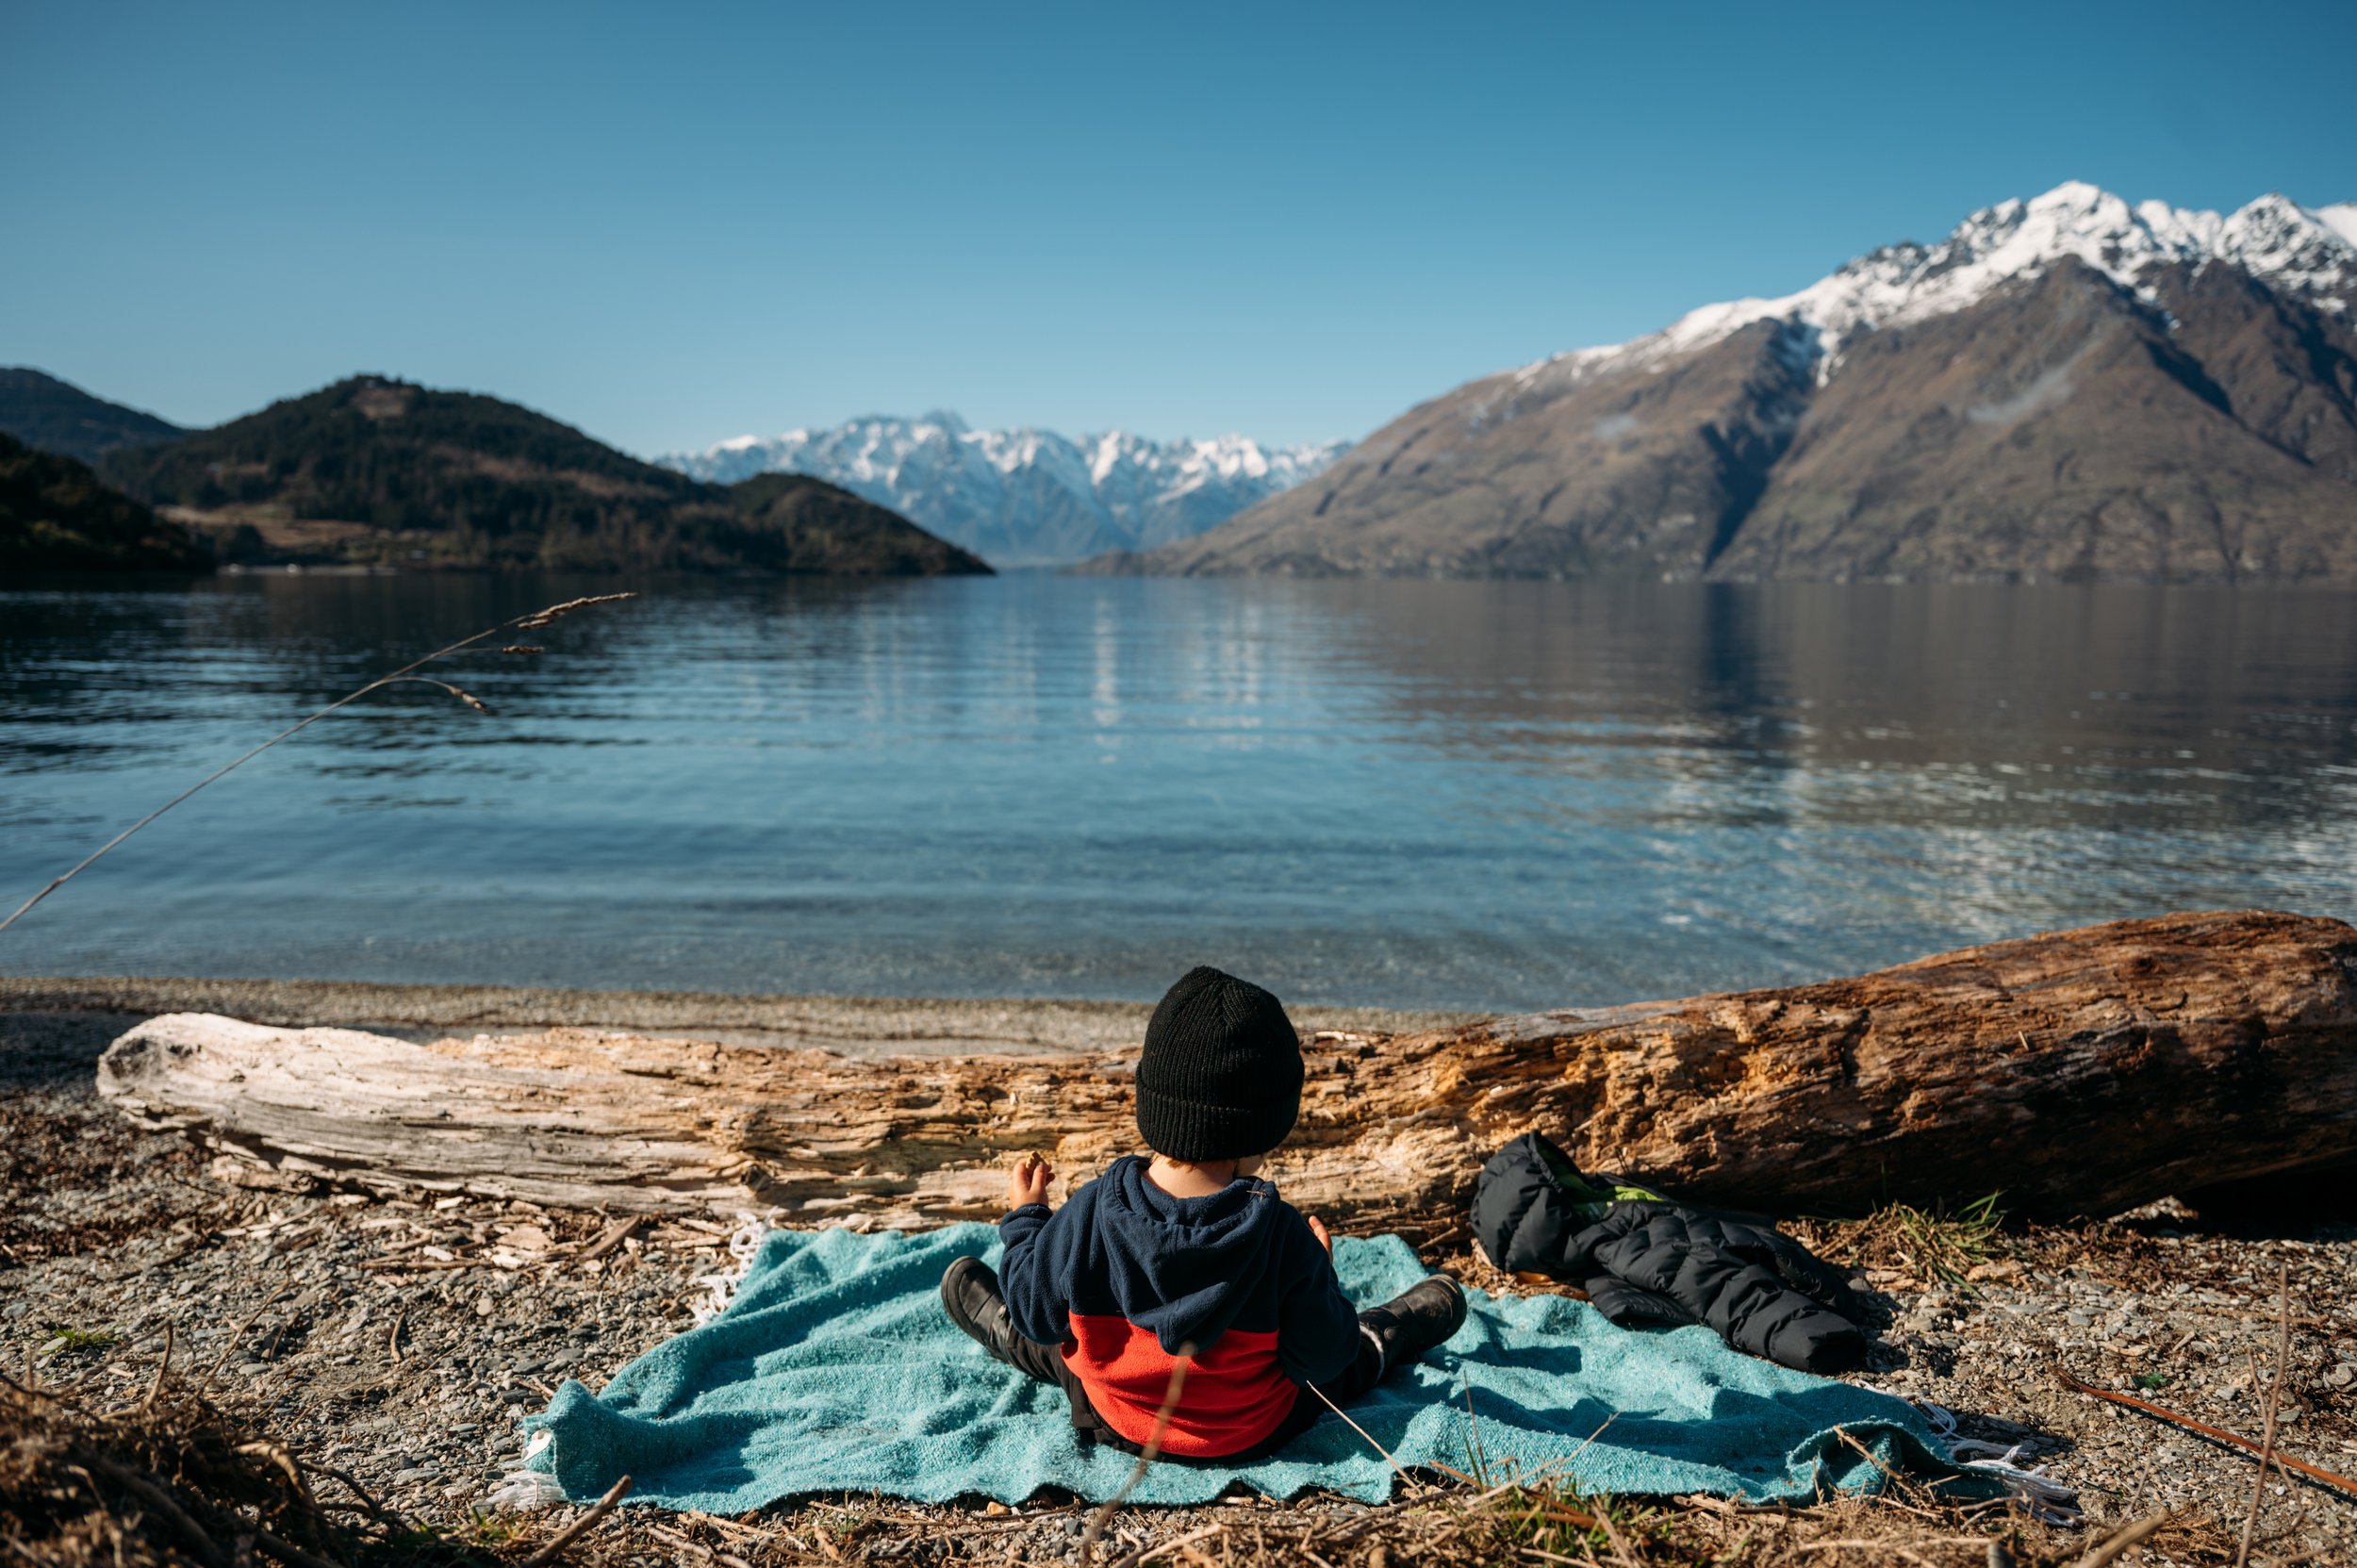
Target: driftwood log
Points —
{"points": [[2079, 1072]]}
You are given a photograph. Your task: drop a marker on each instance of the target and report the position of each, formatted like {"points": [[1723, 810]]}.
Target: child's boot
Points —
{"points": [[1419, 1318], [969, 1294]]}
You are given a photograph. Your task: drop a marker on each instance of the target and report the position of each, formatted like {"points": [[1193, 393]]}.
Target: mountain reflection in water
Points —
{"points": [[1415, 794]]}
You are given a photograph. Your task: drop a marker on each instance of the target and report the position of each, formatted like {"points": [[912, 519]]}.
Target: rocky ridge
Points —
{"points": [[2065, 389], [1027, 497]]}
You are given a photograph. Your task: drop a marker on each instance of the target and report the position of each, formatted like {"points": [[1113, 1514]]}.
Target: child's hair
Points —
{"points": [[1220, 1077]]}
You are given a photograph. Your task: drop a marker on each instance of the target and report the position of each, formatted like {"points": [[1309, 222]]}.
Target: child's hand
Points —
{"points": [[1029, 1181], [1317, 1229]]}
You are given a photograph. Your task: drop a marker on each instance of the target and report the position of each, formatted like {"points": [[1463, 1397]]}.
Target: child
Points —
{"points": [[1190, 1255]]}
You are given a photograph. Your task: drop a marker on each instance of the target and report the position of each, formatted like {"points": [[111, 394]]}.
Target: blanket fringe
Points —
{"points": [[525, 1489], [521, 1490], [2044, 1498], [721, 1288]]}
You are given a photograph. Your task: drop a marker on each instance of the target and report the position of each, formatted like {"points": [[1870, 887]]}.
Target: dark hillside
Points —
{"points": [[54, 416], [56, 516], [806, 525], [374, 469]]}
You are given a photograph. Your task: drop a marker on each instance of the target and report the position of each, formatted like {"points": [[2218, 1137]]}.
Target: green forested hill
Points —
{"points": [[374, 469], [56, 516], [802, 524]]}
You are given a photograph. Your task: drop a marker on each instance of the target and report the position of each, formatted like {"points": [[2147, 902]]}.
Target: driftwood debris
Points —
{"points": [[2079, 1072]]}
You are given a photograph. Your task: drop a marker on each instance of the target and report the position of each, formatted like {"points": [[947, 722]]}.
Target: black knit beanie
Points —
{"points": [[1220, 1077]]}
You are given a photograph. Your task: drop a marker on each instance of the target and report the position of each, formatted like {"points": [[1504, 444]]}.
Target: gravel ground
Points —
{"points": [[402, 1341]]}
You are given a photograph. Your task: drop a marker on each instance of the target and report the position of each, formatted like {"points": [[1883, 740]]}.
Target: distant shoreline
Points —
{"points": [[856, 1026]]}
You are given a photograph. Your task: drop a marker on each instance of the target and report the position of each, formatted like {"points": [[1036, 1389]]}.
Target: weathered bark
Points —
{"points": [[2084, 1071]]}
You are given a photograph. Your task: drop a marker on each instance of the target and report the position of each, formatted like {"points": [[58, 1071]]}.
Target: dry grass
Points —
{"points": [[171, 1478], [1926, 1244]]}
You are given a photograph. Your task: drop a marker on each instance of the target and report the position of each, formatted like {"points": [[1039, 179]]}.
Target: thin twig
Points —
{"points": [[277, 1454], [726, 1527], [1619, 1541], [376, 1509], [2275, 1398], [1371, 1442], [580, 1527], [537, 619], [1591, 1437], [461, 693], [163, 1368], [2097, 1556], [291, 1554], [689, 1543], [1871, 1545], [222, 1359], [1846, 1437], [2192, 1426], [1146, 1456], [614, 1237], [1167, 1547], [159, 1499]]}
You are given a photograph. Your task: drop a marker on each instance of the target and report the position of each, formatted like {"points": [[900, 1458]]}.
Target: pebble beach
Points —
{"points": [[402, 1340]]}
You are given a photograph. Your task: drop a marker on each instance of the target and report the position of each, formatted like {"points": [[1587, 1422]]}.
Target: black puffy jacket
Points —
{"points": [[1642, 1258]]}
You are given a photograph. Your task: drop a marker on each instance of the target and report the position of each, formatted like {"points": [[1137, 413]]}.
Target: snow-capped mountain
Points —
{"points": [[2066, 388], [1027, 497], [2310, 252]]}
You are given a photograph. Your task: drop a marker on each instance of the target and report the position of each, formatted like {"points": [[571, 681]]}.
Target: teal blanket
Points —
{"points": [[834, 1370]]}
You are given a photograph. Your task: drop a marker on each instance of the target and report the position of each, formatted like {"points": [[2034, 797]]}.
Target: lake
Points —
{"points": [[1478, 795]]}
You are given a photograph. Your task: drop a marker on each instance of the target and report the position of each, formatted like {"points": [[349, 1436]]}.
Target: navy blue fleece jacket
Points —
{"points": [[1125, 1277]]}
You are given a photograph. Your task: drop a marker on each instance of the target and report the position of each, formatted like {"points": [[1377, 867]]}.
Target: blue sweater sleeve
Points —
{"points": [[1031, 1273], [1317, 1328]]}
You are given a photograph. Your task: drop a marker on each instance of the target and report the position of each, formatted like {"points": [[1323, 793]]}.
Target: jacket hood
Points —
{"points": [[1183, 1267]]}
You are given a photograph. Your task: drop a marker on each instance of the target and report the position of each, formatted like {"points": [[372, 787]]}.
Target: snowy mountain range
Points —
{"points": [[2309, 252], [1027, 497], [2069, 387]]}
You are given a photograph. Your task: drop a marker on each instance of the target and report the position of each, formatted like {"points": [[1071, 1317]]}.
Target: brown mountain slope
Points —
{"points": [[2063, 427], [2061, 431], [1534, 476]]}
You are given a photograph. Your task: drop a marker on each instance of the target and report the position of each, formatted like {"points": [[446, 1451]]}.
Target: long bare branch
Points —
{"points": [[536, 619]]}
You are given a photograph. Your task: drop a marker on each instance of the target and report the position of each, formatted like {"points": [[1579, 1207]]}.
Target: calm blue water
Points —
{"points": [[1410, 794]]}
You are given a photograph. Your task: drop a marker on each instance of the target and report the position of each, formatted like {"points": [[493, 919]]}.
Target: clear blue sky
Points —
{"points": [[673, 224]]}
